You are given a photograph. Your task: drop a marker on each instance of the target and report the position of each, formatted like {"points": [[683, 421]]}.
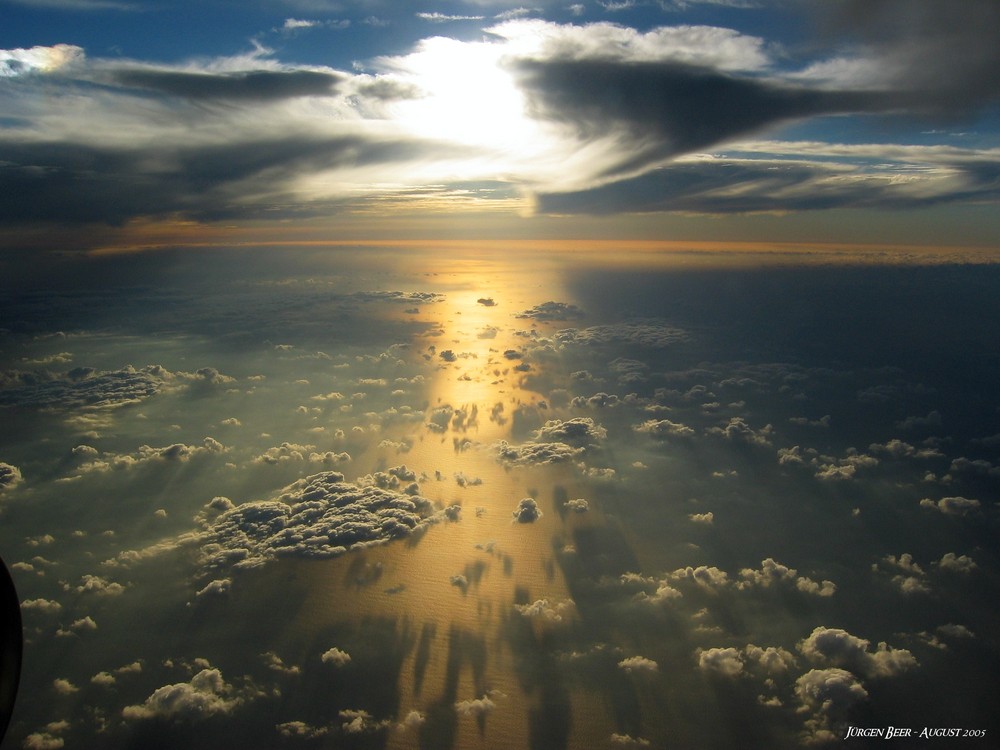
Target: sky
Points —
{"points": [[134, 124]]}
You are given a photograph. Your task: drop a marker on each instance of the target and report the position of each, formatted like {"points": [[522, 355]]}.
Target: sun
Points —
{"points": [[468, 98]]}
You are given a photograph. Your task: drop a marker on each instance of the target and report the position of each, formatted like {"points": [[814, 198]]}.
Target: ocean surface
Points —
{"points": [[417, 497]]}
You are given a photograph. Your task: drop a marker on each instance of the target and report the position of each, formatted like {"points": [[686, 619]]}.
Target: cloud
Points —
{"points": [[661, 594], [359, 721], [699, 46], [254, 85], [579, 431], [723, 661], [82, 625], [548, 311], [446, 18], [335, 657], [772, 572], [300, 730], [530, 453], [42, 741], [738, 430], [708, 577], [776, 181], [527, 511], [955, 631], [772, 659], [702, 518], [541, 609], [952, 506], [207, 694], [413, 720], [43, 606], [19, 62], [577, 506], [91, 584], [828, 694], [663, 428], [652, 334], [10, 476], [75, 178], [897, 37], [284, 453], [146, 456], [64, 687], [88, 388], [639, 665], [218, 587], [666, 109], [319, 516], [628, 741], [837, 647], [476, 707], [957, 563]]}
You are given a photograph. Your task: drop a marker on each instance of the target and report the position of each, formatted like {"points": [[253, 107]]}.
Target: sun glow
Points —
{"points": [[468, 97]]}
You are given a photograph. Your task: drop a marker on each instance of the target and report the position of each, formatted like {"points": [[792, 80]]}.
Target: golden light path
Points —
{"points": [[457, 586]]}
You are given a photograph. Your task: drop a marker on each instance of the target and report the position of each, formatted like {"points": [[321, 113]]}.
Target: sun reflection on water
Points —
{"points": [[458, 583]]}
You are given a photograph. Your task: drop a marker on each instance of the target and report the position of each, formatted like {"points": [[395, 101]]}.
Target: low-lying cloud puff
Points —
{"points": [[663, 428], [359, 721], [44, 606], [319, 516], [207, 694], [724, 661], [837, 647], [527, 511], [336, 657], [731, 662], [639, 664], [827, 694], [773, 572], [93, 389], [476, 707], [708, 577], [738, 430], [957, 563], [652, 334], [548, 311], [542, 609], [147, 455], [579, 431], [951, 506], [530, 453], [10, 476]]}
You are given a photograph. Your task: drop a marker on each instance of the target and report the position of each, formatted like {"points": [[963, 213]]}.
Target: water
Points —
{"points": [[766, 445]]}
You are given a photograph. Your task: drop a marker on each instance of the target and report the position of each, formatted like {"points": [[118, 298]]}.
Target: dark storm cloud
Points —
{"points": [[722, 185], [257, 85], [666, 109], [944, 52], [77, 183]]}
